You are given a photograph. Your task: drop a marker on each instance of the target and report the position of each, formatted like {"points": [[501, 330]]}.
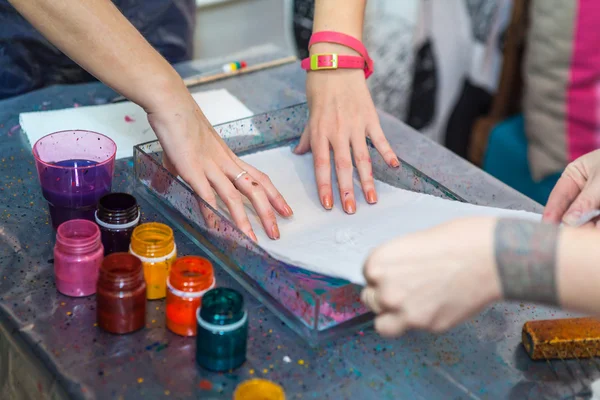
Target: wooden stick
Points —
{"points": [[202, 79]]}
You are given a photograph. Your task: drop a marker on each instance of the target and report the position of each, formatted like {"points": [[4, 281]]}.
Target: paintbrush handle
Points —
{"points": [[198, 80], [205, 78]]}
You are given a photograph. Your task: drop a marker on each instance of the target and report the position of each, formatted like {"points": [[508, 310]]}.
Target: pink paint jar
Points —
{"points": [[78, 254]]}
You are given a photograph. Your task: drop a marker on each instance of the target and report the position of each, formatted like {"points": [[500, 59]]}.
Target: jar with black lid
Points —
{"points": [[117, 216]]}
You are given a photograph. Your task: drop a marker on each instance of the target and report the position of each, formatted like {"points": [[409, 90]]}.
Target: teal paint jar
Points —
{"points": [[222, 336]]}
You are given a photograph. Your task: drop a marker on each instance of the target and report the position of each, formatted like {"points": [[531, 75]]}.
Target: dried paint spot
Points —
{"points": [[301, 362], [251, 372], [254, 183], [286, 359], [205, 384], [265, 371], [129, 119], [69, 313], [140, 380]]}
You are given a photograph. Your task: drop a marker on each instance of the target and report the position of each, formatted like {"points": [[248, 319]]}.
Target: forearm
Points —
{"points": [[95, 34], [344, 16], [550, 265]]}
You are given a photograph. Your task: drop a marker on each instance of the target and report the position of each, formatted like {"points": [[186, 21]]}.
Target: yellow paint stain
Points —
{"points": [[301, 362], [265, 371], [69, 313], [167, 392], [140, 380], [95, 324], [251, 372]]}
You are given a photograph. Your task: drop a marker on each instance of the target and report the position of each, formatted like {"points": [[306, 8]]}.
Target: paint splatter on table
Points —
{"points": [[72, 356]]}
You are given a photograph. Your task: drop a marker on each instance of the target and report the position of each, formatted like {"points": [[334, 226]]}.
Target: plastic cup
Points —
{"points": [[75, 170]]}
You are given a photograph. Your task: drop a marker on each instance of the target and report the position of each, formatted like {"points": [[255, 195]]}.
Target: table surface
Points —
{"points": [[479, 359]]}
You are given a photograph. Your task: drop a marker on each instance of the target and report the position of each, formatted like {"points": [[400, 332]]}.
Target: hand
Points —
{"points": [[433, 279], [342, 115], [577, 192], [195, 152]]}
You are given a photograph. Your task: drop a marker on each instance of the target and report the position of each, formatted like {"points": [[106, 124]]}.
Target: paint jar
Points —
{"points": [[154, 244], [121, 296], [258, 389], [75, 169], [222, 330], [190, 278], [117, 216], [78, 254]]}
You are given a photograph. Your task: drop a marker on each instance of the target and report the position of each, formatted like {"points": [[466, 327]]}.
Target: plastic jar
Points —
{"points": [[190, 278], [258, 389], [117, 215], [121, 296], [222, 335], [153, 243], [78, 254]]}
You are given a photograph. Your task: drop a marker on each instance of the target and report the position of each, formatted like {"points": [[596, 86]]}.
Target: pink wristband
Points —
{"points": [[344, 40]]}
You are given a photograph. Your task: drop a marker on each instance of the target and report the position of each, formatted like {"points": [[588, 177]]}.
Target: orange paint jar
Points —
{"points": [[154, 244], [190, 278]]}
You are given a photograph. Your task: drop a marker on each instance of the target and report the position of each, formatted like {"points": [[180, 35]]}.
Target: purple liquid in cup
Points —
{"points": [[75, 170]]}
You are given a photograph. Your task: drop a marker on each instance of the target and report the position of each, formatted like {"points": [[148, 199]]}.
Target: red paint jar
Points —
{"points": [[78, 254], [121, 294], [190, 278]]}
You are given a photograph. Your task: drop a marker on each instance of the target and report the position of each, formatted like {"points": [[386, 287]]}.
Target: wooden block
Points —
{"points": [[562, 338]]}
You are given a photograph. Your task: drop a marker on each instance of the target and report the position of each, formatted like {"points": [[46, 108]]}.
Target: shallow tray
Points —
{"points": [[315, 306]]}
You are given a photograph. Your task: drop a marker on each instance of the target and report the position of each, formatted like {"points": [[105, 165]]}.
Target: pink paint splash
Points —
{"points": [[129, 119], [12, 130]]}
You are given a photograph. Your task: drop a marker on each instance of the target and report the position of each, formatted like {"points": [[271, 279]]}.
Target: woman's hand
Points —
{"points": [[577, 192], [342, 115], [195, 152], [432, 280]]}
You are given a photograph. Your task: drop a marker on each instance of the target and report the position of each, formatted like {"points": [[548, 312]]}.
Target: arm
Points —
{"points": [[100, 39], [342, 112], [430, 281], [540, 263], [95, 34]]}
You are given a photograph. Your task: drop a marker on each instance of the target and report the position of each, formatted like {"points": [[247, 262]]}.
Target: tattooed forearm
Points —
{"points": [[525, 253]]}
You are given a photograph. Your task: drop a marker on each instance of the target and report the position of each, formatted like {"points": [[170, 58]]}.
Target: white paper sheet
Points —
{"points": [[334, 243], [126, 123]]}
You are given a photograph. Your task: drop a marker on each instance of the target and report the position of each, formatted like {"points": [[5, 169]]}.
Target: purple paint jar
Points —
{"points": [[75, 170], [78, 254], [117, 216]]}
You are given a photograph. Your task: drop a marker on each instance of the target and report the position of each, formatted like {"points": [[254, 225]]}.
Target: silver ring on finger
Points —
{"points": [[240, 175], [370, 300]]}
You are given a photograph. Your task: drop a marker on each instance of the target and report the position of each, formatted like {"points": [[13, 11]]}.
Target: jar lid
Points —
{"points": [[259, 389], [118, 209], [222, 306]]}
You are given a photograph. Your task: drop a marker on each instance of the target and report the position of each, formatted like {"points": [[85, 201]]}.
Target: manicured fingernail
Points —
{"points": [[295, 151], [572, 218], [253, 236], [395, 163], [275, 232], [349, 206], [327, 202], [287, 211], [371, 197]]}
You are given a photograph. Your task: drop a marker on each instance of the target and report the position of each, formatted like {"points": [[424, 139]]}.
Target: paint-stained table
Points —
{"points": [[50, 346]]}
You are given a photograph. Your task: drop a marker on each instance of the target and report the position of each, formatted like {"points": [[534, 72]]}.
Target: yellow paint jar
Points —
{"points": [[154, 244], [258, 389]]}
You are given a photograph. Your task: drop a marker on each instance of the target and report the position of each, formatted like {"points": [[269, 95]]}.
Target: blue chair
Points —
{"points": [[506, 159]]}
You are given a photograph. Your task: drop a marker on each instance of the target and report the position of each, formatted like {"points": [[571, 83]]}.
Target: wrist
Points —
{"points": [[485, 256], [325, 48], [163, 91]]}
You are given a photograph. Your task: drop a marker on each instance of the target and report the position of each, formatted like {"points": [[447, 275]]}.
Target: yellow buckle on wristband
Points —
{"points": [[314, 62]]}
